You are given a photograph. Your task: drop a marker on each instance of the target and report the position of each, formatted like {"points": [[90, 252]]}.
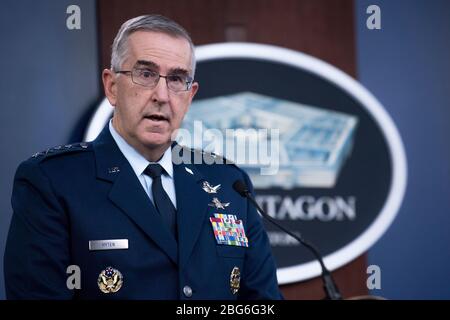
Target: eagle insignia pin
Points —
{"points": [[110, 280]]}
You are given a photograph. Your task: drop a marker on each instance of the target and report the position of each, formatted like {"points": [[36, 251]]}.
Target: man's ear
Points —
{"points": [[110, 86], [193, 91]]}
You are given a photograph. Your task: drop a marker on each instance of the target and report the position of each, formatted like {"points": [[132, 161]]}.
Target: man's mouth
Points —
{"points": [[157, 117]]}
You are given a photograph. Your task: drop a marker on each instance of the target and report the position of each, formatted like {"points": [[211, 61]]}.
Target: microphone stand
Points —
{"points": [[331, 290]]}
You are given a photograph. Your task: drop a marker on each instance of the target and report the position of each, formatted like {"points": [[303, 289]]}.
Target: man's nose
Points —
{"points": [[161, 91]]}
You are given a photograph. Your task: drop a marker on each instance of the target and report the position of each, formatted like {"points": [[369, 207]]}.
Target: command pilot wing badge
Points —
{"points": [[110, 280], [210, 189], [217, 204]]}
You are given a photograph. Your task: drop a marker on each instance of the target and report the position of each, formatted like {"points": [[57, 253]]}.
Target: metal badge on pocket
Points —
{"points": [[235, 280], [110, 280]]}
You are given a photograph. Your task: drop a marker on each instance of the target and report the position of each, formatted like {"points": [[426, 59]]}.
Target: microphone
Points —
{"points": [[331, 290]]}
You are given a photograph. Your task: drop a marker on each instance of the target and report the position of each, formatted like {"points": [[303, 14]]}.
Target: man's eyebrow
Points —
{"points": [[153, 65], [180, 71], [147, 64]]}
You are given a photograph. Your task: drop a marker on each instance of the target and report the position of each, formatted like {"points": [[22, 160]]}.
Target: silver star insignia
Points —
{"points": [[210, 189]]}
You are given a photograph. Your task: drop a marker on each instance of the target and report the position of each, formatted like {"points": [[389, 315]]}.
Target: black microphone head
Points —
{"points": [[240, 187]]}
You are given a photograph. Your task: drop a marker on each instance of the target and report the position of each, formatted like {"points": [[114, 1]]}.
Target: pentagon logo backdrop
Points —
{"points": [[333, 166]]}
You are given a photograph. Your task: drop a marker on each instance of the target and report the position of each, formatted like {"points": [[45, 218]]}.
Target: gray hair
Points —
{"points": [[151, 22]]}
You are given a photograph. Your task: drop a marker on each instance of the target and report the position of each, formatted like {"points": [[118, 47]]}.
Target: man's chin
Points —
{"points": [[155, 141]]}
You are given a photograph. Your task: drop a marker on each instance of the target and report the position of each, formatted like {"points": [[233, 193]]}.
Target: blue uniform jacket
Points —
{"points": [[70, 195]]}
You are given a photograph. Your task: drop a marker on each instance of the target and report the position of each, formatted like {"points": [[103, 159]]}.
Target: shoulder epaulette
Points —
{"points": [[62, 149]]}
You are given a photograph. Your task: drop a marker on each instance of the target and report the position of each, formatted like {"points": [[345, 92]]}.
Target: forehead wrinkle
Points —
{"points": [[163, 52], [180, 58]]}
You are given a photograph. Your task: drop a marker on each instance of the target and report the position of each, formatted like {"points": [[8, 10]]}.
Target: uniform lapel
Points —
{"points": [[127, 193], [192, 204]]}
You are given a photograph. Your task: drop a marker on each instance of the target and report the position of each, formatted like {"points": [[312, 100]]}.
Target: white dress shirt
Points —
{"points": [[139, 164]]}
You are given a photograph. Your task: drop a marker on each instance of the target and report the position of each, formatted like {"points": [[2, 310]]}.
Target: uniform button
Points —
{"points": [[187, 291]]}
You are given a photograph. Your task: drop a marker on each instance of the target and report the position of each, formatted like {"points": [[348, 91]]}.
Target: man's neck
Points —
{"points": [[151, 153]]}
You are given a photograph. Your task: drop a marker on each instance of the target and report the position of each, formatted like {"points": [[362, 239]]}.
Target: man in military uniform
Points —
{"points": [[138, 223]]}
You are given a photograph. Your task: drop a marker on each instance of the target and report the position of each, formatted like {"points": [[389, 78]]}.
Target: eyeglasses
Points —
{"points": [[150, 79]]}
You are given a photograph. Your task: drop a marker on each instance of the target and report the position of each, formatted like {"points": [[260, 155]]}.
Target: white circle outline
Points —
{"points": [[320, 68]]}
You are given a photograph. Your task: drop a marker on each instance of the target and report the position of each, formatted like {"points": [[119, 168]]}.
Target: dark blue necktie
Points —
{"points": [[161, 200]]}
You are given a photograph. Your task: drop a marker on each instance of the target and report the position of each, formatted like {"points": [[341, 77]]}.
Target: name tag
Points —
{"points": [[113, 244]]}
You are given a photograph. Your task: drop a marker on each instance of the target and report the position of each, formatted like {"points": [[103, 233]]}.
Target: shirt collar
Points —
{"points": [[136, 160]]}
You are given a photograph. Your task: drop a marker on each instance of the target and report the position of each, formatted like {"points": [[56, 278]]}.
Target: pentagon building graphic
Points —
{"points": [[313, 142]]}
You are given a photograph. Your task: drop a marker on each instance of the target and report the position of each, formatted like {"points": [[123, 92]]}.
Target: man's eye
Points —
{"points": [[147, 74], [179, 79]]}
